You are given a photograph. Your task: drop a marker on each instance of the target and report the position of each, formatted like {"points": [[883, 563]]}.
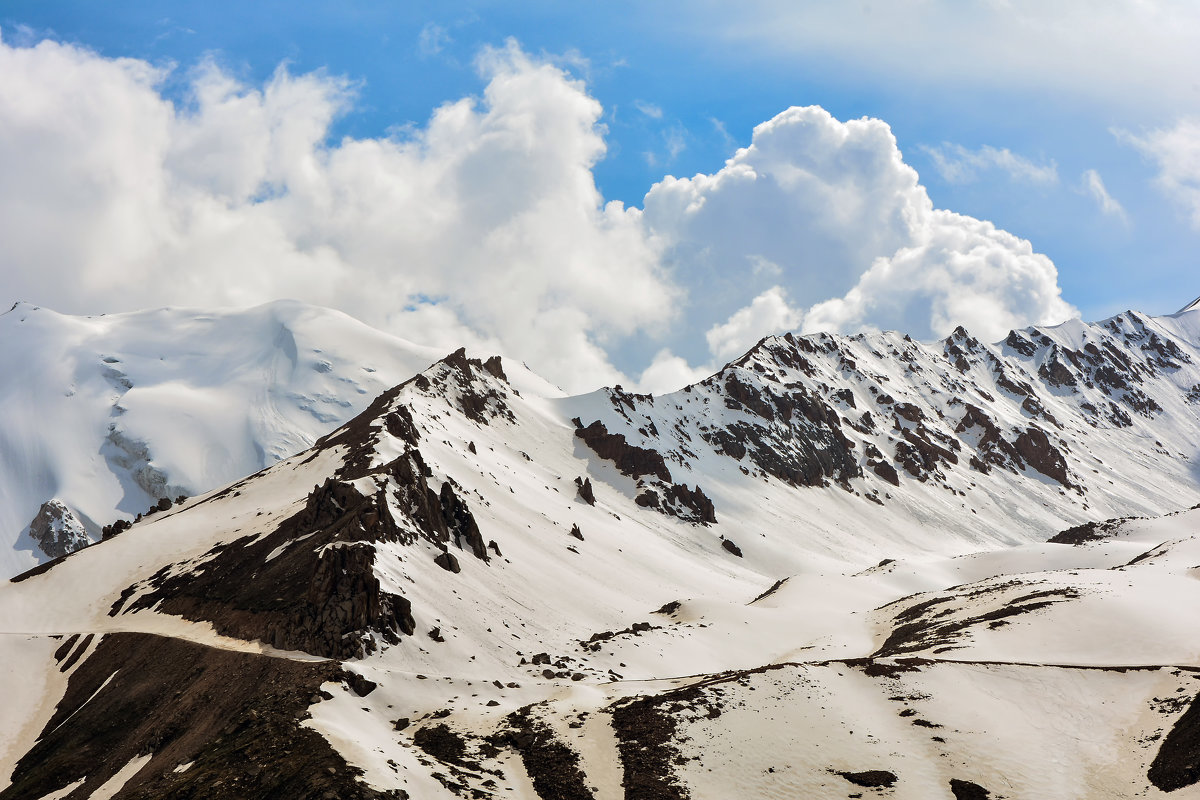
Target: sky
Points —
{"points": [[611, 192]]}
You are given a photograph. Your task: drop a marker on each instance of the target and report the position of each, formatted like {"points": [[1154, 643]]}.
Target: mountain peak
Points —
{"points": [[1192, 306]]}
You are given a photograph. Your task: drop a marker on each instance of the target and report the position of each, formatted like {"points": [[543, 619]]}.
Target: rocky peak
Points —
{"points": [[57, 530]]}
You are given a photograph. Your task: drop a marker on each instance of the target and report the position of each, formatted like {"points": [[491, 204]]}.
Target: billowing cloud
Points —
{"points": [[851, 236], [482, 226], [1176, 152], [957, 164], [115, 198], [962, 271], [1093, 184], [768, 313]]}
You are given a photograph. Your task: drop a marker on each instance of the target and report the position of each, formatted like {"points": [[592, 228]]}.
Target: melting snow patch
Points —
{"points": [[118, 781]]}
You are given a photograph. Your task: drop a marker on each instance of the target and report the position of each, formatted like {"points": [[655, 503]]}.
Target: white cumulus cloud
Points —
{"points": [[482, 225], [768, 313], [853, 234], [486, 222]]}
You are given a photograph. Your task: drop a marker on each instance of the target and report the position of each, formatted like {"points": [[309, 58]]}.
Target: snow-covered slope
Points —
{"points": [[823, 572], [108, 414]]}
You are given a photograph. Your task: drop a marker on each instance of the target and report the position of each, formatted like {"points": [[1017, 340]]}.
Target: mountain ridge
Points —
{"points": [[505, 594]]}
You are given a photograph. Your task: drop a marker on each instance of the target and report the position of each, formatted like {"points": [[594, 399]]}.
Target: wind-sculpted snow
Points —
{"points": [[875, 567]]}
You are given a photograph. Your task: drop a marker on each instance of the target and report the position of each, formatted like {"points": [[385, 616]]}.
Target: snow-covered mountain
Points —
{"points": [[840, 567], [104, 416]]}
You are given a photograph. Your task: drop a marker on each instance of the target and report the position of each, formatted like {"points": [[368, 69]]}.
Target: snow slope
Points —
{"points": [[433, 592], [107, 414]]}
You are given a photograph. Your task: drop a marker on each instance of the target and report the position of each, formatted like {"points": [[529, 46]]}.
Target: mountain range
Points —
{"points": [[279, 554]]}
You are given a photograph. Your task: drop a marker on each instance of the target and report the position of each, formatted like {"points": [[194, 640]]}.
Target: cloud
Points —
{"points": [[1094, 186], [1176, 152], [1136, 53], [768, 313], [114, 198], [483, 225], [649, 109], [668, 372], [432, 39], [854, 235], [957, 164], [675, 140], [964, 271]]}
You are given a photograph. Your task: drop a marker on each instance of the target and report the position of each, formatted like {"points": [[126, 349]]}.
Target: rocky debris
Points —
{"points": [[730, 547], [399, 423], [448, 562], [578, 534], [360, 685], [120, 526], [630, 460], [792, 433], [235, 717], [593, 643], [772, 589], [460, 522], [1054, 372], [57, 531], [966, 790], [678, 501], [920, 456], [1035, 448], [442, 743], [879, 465], [1089, 532], [991, 448], [584, 490], [645, 728], [1177, 763], [551, 764], [924, 625], [480, 400], [908, 411], [870, 779], [322, 598]]}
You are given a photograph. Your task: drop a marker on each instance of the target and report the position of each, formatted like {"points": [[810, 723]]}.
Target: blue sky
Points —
{"points": [[1005, 110]]}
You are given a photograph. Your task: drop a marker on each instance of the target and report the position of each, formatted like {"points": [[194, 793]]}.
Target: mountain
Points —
{"points": [[104, 416], [841, 566]]}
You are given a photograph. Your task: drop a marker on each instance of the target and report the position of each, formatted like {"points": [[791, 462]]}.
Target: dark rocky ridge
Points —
{"points": [[320, 596], [630, 460], [234, 716]]}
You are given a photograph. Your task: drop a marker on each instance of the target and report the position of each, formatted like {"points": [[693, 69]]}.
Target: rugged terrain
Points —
{"points": [[106, 415], [840, 567]]}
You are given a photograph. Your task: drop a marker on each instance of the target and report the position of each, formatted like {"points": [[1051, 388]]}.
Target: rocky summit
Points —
{"points": [[841, 566]]}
